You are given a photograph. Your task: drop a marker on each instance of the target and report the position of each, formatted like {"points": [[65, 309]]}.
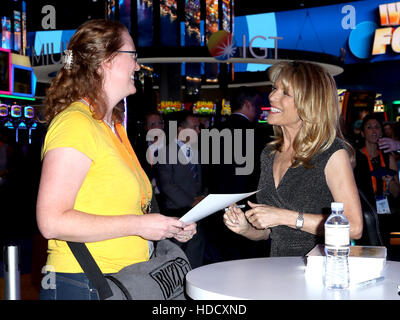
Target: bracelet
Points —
{"points": [[299, 221]]}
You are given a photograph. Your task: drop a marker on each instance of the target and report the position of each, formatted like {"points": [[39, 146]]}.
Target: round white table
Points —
{"points": [[280, 278]]}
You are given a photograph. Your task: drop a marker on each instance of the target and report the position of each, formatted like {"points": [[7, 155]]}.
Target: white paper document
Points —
{"points": [[213, 203]]}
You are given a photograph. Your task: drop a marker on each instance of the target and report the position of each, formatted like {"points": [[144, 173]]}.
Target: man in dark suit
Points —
{"points": [[180, 180], [237, 176]]}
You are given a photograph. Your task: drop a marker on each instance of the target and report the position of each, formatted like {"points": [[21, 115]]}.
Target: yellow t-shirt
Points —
{"points": [[111, 187]]}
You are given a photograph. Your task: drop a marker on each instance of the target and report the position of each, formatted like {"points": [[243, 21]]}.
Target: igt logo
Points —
{"points": [[222, 45]]}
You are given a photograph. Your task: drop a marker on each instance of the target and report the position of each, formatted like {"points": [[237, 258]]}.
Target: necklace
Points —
{"points": [[87, 103], [111, 125]]}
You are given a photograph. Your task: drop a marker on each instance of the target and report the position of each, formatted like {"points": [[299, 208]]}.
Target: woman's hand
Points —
{"points": [[262, 216], [186, 233], [236, 221], [155, 226], [388, 145]]}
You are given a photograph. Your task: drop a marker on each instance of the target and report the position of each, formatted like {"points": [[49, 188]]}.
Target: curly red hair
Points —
{"points": [[93, 43]]}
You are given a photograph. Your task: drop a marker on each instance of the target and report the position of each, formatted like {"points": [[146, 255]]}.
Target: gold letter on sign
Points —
{"points": [[383, 37]]}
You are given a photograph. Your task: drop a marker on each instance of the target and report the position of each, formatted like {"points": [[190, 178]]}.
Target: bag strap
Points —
{"points": [[91, 269]]}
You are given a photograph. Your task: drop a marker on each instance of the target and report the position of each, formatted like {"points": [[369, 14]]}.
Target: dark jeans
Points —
{"points": [[67, 286]]}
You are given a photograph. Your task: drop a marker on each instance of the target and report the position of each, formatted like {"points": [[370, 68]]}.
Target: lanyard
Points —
{"points": [[149, 154], [131, 159], [371, 168]]}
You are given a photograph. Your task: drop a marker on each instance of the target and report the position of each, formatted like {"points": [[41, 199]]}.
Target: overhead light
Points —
{"points": [[195, 79]]}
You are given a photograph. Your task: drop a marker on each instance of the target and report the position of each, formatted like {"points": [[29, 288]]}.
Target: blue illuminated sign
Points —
{"points": [[326, 29]]}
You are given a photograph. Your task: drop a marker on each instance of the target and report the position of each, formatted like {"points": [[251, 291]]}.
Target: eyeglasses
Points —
{"points": [[132, 53]]}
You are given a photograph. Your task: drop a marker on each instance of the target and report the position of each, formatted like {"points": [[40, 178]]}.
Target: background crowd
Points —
{"points": [[97, 183]]}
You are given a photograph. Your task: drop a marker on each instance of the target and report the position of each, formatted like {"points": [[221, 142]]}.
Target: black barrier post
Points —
{"points": [[12, 285]]}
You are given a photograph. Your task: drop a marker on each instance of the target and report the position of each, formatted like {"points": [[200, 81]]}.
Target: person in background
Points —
{"points": [[389, 130], [355, 138], [180, 180], [305, 168], [153, 120], [379, 188], [245, 107], [148, 146], [224, 178], [92, 187]]}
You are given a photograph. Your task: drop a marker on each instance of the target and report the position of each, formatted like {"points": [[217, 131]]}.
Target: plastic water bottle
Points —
{"points": [[337, 248]]}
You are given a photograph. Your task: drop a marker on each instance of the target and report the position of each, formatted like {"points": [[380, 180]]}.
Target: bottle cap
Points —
{"points": [[337, 206]]}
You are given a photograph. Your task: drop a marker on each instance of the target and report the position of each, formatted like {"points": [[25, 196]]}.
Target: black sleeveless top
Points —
{"points": [[300, 189]]}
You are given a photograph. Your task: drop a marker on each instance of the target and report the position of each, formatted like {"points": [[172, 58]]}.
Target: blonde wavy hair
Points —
{"points": [[316, 100], [93, 43]]}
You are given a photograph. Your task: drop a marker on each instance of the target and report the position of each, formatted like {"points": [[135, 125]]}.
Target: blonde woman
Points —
{"points": [[304, 169], [92, 187]]}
